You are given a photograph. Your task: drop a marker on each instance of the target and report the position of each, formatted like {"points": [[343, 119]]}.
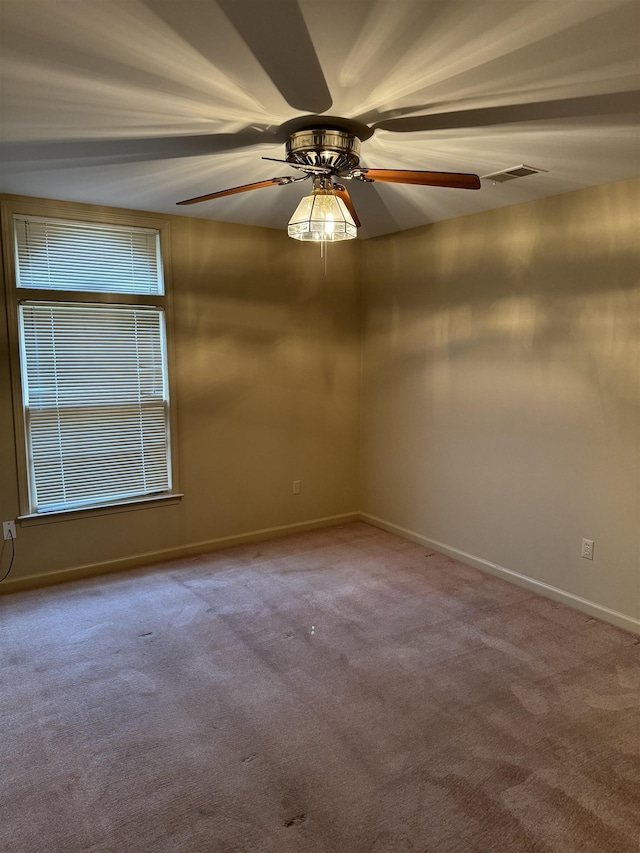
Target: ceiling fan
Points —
{"points": [[327, 150]]}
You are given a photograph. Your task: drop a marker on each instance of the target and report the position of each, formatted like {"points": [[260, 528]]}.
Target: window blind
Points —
{"points": [[96, 403], [56, 254]]}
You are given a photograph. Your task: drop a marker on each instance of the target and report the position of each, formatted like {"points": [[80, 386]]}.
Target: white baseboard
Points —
{"points": [[93, 569], [621, 620]]}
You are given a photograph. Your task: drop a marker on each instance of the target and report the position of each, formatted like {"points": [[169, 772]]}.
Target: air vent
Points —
{"points": [[511, 174]]}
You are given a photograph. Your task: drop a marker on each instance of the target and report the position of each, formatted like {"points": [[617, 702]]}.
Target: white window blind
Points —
{"points": [[96, 403], [56, 254]]}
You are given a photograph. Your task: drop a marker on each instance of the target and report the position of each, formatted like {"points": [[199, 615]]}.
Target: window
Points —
{"points": [[93, 363]]}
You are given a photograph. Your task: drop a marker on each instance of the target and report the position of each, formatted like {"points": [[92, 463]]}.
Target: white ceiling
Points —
{"points": [[142, 103]]}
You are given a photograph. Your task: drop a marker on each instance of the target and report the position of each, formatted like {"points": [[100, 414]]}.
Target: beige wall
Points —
{"points": [[501, 384], [266, 390]]}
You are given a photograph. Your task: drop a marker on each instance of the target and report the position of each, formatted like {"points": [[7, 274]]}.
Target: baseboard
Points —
{"points": [[620, 620], [150, 557]]}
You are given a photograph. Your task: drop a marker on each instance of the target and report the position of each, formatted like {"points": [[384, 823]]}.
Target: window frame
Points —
{"points": [[15, 296]]}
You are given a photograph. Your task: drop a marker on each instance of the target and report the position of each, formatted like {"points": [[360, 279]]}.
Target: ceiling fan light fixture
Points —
{"points": [[322, 217]]}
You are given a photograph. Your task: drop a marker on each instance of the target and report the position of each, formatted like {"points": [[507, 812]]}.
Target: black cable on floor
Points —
{"points": [[13, 553]]}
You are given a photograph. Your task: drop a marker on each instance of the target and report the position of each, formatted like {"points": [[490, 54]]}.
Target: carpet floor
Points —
{"points": [[338, 691]]}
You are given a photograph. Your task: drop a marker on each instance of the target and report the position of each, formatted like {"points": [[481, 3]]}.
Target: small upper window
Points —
{"points": [[55, 254]]}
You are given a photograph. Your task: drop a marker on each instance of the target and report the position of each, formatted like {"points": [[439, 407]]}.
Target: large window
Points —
{"points": [[93, 363]]}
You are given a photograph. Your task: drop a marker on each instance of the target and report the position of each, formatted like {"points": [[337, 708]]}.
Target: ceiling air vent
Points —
{"points": [[511, 174]]}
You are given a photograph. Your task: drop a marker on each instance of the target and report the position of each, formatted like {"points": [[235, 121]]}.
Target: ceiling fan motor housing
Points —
{"points": [[334, 149]]}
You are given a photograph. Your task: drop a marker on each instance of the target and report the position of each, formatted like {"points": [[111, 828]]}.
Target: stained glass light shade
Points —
{"points": [[320, 217]]}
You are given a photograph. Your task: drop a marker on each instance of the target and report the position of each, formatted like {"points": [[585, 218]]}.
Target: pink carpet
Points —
{"points": [[339, 691]]}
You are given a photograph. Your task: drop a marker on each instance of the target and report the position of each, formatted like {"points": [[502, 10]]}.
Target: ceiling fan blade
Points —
{"points": [[278, 36], [614, 103], [343, 193], [63, 154], [457, 180], [272, 182]]}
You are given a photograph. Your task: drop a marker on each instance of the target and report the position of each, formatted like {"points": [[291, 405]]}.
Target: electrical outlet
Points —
{"points": [[296, 487], [587, 549], [9, 529]]}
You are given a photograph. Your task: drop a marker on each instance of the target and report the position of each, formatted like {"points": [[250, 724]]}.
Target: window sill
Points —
{"points": [[103, 509]]}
